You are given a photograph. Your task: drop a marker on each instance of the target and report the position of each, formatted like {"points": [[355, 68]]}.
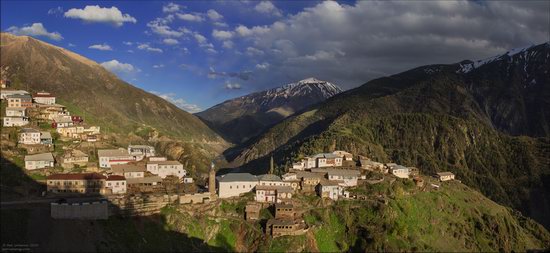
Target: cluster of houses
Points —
{"points": [[42, 107], [135, 168]]}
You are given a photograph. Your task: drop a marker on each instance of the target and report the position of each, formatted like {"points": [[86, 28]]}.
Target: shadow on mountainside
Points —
{"points": [[28, 225], [260, 165]]}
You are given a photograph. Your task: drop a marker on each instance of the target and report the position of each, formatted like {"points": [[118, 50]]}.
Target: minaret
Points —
{"points": [[271, 169], [212, 180]]}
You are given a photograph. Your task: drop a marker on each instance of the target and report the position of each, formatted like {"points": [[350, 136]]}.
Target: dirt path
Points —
{"points": [[311, 242]]}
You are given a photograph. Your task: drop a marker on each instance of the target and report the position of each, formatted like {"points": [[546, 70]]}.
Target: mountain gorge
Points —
{"points": [[244, 117], [486, 121]]}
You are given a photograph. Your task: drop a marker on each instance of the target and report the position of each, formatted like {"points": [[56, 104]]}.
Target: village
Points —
{"points": [[69, 157]]}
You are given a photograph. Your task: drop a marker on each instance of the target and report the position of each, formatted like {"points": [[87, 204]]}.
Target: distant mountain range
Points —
{"points": [[487, 121], [244, 117]]}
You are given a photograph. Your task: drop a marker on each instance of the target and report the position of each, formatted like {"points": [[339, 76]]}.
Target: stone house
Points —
{"points": [[39, 161], [273, 194], [252, 211], [129, 170], [141, 150], [282, 227], [82, 183], [74, 157], [327, 160], [285, 211], [399, 171], [344, 155]]}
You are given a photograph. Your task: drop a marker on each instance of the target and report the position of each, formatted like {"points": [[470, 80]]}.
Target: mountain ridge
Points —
{"points": [[241, 118]]}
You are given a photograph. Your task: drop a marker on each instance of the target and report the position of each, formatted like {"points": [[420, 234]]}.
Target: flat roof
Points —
{"points": [[343, 172], [40, 157], [113, 152], [269, 177], [279, 188], [123, 168], [165, 162], [445, 173], [29, 130], [144, 180], [76, 176], [284, 205], [45, 135]]}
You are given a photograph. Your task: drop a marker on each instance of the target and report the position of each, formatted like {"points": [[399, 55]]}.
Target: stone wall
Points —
{"points": [[86, 210]]}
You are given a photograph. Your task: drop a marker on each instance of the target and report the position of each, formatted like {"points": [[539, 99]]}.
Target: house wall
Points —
{"points": [[15, 113], [106, 161], [18, 121], [29, 138], [45, 100], [348, 180], [266, 196], [232, 189], [116, 186], [34, 165]]}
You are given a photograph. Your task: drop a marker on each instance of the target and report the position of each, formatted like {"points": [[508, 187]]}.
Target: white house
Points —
{"points": [[344, 155], [108, 157], [289, 176], [166, 168], [63, 121], [347, 178], [271, 180], [44, 98], [328, 189], [327, 160], [399, 171], [128, 170], [16, 111], [234, 184], [445, 176], [117, 184], [141, 150], [29, 136], [15, 121], [39, 161]]}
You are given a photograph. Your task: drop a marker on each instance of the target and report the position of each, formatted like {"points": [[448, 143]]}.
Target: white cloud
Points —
{"points": [[251, 51], [130, 51], [256, 30], [179, 102], [213, 15], [119, 67], [266, 7], [55, 11], [200, 39], [102, 47], [147, 47], [160, 27], [232, 86], [350, 44], [36, 29], [263, 65], [172, 7], [96, 14], [221, 24], [158, 66], [195, 17], [71, 45], [228, 44], [128, 43], [222, 35], [211, 50], [170, 41]]}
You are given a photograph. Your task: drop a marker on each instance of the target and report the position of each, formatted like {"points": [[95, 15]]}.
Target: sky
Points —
{"points": [[196, 54]]}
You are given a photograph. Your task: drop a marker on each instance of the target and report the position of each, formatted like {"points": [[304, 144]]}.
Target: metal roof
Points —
{"points": [[269, 177], [237, 177]]}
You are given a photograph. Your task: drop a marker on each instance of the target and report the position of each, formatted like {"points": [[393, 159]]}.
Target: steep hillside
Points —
{"points": [[439, 117], [87, 89], [244, 117], [102, 97]]}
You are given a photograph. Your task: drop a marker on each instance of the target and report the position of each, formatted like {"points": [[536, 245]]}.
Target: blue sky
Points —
{"points": [[197, 53]]}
